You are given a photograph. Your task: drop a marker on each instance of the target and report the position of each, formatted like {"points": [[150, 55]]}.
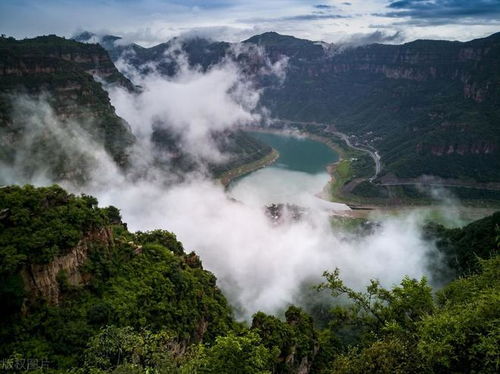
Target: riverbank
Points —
{"points": [[351, 184], [226, 178], [328, 191], [321, 139], [353, 167]]}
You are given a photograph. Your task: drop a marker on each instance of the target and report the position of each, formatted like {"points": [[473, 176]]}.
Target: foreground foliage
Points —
{"points": [[403, 330], [140, 281], [149, 307]]}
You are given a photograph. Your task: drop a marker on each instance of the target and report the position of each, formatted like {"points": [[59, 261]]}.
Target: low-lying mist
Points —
{"points": [[259, 265], [192, 104]]}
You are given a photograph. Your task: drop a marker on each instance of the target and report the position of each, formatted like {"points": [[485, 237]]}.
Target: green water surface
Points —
{"points": [[299, 154]]}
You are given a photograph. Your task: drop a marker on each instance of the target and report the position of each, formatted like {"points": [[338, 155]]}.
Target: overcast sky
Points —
{"points": [[149, 22]]}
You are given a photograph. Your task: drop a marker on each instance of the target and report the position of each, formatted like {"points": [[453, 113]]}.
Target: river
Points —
{"points": [[297, 176]]}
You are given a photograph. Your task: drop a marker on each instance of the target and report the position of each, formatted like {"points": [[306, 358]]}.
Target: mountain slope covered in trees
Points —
{"points": [[81, 292], [48, 81]]}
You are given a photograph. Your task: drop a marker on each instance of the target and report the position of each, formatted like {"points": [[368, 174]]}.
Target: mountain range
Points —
{"points": [[430, 107], [82, 293]]}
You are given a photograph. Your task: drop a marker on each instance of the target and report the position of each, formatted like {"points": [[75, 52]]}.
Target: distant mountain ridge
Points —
{"points": [[430, 107]]}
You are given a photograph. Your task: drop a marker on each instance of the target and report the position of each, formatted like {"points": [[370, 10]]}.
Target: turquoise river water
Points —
{"points": [[298, 176]]}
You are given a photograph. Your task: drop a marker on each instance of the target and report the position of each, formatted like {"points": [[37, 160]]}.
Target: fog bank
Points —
{"points": [[259, 265]]}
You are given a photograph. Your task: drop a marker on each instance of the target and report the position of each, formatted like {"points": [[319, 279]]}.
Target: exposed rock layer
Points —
{"points": [[44, 280]]}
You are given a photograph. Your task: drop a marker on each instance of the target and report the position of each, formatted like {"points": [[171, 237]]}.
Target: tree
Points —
{"points": [[464, 334], [294, 341], [383, 310], [232, 354], [122, 347], [387, 321]]}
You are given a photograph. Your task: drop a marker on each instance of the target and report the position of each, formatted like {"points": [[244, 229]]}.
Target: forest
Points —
{"points": [[81, 293]]}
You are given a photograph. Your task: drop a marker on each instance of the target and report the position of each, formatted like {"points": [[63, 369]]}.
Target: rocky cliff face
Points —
{"points": [[52, 54], [468, 63], [65, 74], [44, 281]]}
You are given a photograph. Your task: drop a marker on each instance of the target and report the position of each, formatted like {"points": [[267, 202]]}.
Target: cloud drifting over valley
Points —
{"points": [[192, 104], [259, 265]]}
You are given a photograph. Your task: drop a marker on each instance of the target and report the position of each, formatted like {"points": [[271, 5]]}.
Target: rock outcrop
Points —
{"points": [[43, 281]]}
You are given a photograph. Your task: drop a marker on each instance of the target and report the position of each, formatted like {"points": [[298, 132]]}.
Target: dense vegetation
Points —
{"points": [[240, 148], [413, 102], [139, 282], [145, 305], [39, 224], [403, 330], [463, 248]]}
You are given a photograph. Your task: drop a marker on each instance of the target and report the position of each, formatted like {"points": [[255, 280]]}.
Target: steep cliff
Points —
{"points": [[53, 54], [47, 281], [429, 107], [63, 74]]}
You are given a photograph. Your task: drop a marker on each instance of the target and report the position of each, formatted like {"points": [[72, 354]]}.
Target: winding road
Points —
{"points": [[330, 129], [373, 154]]}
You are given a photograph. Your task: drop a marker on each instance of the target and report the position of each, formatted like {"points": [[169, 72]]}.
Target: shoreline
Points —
{"points": [[226, 178], [357, 210], [324, 194], [317, 138]]}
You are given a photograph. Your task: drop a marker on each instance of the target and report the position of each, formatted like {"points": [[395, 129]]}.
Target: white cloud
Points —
{"points": [[259, 265], [192, 104], [230, 20]]}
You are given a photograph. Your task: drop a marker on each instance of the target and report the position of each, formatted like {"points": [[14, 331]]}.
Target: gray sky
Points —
{"points": [[149, 22]]}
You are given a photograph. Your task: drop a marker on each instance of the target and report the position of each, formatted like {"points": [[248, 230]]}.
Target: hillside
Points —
{"points": [[429, 107], [107, 297], [81, 292], [59, 72], [66, 75], [463, 248], [76, 267]]}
